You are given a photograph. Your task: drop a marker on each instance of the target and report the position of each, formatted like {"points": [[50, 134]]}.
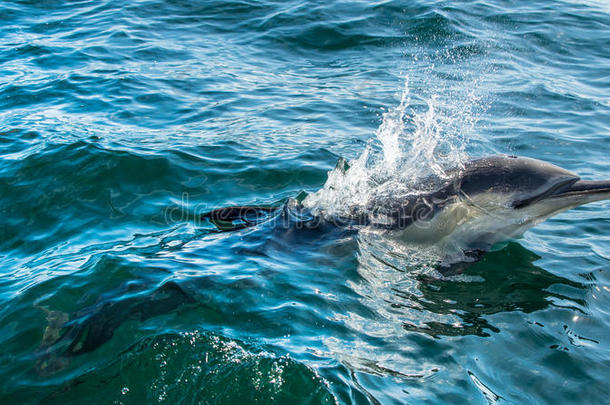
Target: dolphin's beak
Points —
{"points": [[584, 191]]}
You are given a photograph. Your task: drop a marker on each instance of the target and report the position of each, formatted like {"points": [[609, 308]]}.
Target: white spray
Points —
{"points": [[409, 145]]}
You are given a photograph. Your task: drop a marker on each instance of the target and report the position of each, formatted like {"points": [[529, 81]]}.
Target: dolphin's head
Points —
{"points": [[491, 200], [531, 186], [500, 197]]}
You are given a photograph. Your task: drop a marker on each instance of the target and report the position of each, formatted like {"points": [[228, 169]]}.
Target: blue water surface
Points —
{"points": [[122, 121]]}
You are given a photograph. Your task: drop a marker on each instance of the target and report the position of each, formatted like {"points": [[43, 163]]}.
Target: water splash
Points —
{"points": [[417, 139]]}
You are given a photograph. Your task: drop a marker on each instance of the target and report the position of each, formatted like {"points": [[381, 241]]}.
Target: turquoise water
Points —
{"points": [[122, 121]]}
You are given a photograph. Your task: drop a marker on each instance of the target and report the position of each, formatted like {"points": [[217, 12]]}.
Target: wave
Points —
{"points": [[175, 366]]}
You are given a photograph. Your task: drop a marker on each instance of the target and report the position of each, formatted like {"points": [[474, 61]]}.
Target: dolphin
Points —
{"points": [[93, 326], [488, 200]]}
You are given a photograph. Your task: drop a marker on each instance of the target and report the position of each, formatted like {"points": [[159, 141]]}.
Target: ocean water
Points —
{"points": [[122, 121]]}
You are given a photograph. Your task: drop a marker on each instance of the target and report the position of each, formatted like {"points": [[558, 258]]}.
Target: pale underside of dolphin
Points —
{"points": [[487, 201]]}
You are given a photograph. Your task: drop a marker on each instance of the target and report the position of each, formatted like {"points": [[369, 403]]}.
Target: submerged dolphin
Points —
{"points": [[487, 201]]}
